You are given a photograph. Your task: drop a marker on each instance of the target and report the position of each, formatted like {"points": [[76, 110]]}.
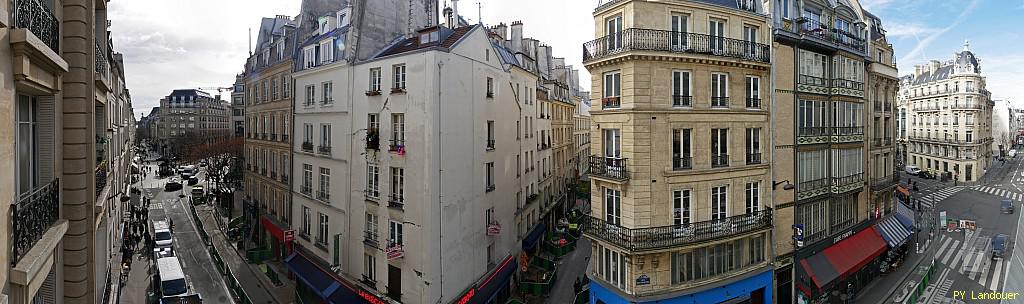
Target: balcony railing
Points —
{"points": [[943, 140], [849, 179], [639, 39], [397, 146], [32, 216], [372, 194], [610, 103], [326, 150], [844, 131], [370, 239], [885, 182], [307, 146], [753, 103], [653, 238], [813, 131], [306, 189], [396, 201], [753, 158], [37, 18], [684, 162], [822, 31], [101, 178], [101, 61], [812, 80], [927, 107], [609, 167], [719, 101], [323, 195], [682, 101], [847, 84], [719, 160], [966, 106]]}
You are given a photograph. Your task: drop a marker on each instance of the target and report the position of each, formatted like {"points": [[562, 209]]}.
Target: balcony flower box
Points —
{"points": [[373, 93]]}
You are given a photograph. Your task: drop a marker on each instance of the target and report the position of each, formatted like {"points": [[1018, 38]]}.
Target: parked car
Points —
{"points": [[1006, 206], [999, 246], [192, 180], [912, 170], [173, 185], [925, 174]]}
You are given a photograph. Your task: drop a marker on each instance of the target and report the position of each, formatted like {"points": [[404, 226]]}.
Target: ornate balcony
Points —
{"points": [[753, 158], [32, 216], [684, 162], [654, 238], [639, 39], [37, 18], [101, 178], [719, 102], [611, 103], [325, 150], [307, 147], [824, 33], [396, 201], [609, 167], [847, 183], [966, 106], [719, 160], [682, 101], [885, 182]]}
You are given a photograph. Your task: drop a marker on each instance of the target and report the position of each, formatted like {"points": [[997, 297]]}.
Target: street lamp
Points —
{"points": [[787, 187]]}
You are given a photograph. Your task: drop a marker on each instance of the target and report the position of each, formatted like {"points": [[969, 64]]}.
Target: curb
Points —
{"points": [[892, 290]]}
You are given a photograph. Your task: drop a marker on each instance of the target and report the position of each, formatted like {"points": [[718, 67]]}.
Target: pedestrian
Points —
{"points": [[576, 286]]}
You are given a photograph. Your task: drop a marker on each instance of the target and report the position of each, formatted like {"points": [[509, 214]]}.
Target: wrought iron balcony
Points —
{"points": [[397, 146], [611, 103], [396, 201], [927, 107], [885, 182], [684, 162], [307, 146], [813, 131], [325, 150], [823, 32], [639, 39], [101, 61], [609, 167], [843, 131], [753, 158], [101, 178], [847, 84], [966, 106], [34, 213], [812, 80], [323, 195], [682, 101], [370, 239], [719, 160], [753, 103], [306, 189], [849, 179], [719, 101], [37, 18], [654, 238]]}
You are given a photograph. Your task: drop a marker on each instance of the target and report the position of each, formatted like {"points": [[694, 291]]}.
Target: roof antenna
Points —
{"points": [[250, 42], [479, 13]]}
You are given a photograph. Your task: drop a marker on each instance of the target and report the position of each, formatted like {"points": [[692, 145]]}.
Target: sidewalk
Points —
{"points": [[256, 284], [571, 267], [902, 281]]}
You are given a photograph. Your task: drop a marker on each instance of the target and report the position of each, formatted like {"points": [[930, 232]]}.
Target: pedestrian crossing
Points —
{"points": [[999, 192], [972, 259], [929, 201]]}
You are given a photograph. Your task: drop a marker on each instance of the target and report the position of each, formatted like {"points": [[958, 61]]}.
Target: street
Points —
{"points": [[965, 265]]}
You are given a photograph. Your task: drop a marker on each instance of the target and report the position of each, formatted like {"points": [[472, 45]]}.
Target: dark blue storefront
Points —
{"points": [[315, 284], [753, 289]]}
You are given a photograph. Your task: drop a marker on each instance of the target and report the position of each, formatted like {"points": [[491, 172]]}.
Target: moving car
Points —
{"points": [[999, 246], [173, 185], [1006, 206], [912, 170]]}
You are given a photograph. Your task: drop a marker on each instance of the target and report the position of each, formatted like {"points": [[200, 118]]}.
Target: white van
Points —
{"points": [[162, 233], [172, 279]]}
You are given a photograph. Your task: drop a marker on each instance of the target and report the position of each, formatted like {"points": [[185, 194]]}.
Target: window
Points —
{"points": [[371, 227], [399, 80], [716, 29], [27, 145], [681, 89], [681, 207], [611, 90], [682, 149], [811, 118], [613, 28], [490, 87], [327, 51], [321, 233], [369, 268], [680, 25], [395, 234], [305, 221], [719, 202], [753, 90], [753, 143], [969, 136], [613, 206], [719, 90], [325, 135], [308, 130], [612, 141], [398, 184], [490, 135], [328, 90], [325, 184], [307, 178], [273, 88], [372, 180], [398, 129], [309, 57], [750, 41], [719, 147], [614, 267], [310, 95], [375, 80], [753, 197], [489, 173]]}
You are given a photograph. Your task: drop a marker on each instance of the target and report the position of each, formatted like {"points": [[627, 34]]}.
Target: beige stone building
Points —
{"points": [[581, 134], [191, 117], [268, 116], [680, 152], [949, 117], [882, 85]]}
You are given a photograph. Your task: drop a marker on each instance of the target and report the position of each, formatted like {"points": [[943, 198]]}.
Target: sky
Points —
{"points": [[206, 48]]}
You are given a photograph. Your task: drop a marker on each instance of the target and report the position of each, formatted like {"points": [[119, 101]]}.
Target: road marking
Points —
{"points": [[945, 259], [959, 257], [995, 276], [984, 272], [943, 247]]}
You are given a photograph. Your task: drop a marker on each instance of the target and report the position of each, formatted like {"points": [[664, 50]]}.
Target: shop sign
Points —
{"points": [[289, 236], [798, 234], [942, 217], [643, 279], [843, 236], [493, 229], [468, 296], [372, 299], [968, 224], [394, 252]]}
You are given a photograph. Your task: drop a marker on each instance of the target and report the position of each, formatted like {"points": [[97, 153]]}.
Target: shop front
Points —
{"points": [[753, 288], [836, 273], [897, 229], [317, 284], [276, 240], [496, 287]]}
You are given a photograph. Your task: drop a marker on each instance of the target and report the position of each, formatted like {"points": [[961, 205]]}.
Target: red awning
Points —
{"points": [[273, 228], [903, 190], [851, 254]]}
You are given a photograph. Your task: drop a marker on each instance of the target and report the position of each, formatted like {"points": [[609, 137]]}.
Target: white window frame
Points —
{"points": [[719, 202], [613, 206], [682, 207], [682, 86], [398, 82]]}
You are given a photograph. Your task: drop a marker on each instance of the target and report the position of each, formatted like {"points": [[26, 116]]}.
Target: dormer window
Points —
{"points": [[342, 21], [323, 26], [429, 37]]}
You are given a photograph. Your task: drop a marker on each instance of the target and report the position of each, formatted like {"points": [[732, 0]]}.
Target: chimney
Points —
{"points": [[502, 30], [517, 36], [917, 70], [935, 65], [542, 60], [455, 14]]}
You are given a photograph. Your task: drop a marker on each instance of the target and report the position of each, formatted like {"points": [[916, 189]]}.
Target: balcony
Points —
{"points": [[307, 190], [638, 39], [811, 188], [374, 92], [654, 238], [101, 178], [719, 102], [847, 183], [609, 167], [325, 150], [966, 106], [372, 195], [323, 196], [885, 182], [824, 34], [370, 239], [684, 162], [753, 158], [753, 103], [307, 147], [32, 217], [943, 140], [719, 160], [38, 19], [682, 101], [397, 146], [927, 107], [610, 103], [396, 201]]}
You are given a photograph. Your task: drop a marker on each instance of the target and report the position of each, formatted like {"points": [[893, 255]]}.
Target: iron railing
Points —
{"points": [[753, 103], [609, 167], [966, 106], [812, 184], [847, 84], [307, 146], [396, 201], [885, 182], [812, 80], [306, 189], [37, 18], [753, 158], [34, 213], [682, 101], [849, 179], [326, 150], [822, 31], [370, 239], [719, 160], [101, 178], [640, 39], [843, 131], [684, 162], [653, 238], [812, 131], [719, 101], [611, 103], [101, 61]]}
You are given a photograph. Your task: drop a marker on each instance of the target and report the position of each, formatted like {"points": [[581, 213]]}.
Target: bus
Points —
{"points": [[171, 278]]}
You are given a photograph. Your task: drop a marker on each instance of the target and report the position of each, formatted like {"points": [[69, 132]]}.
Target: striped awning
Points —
{"points": [[894, 233], [905, 215]]}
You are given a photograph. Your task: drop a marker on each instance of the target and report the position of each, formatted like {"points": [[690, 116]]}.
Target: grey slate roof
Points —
{"points": [[733, 4], [966, 57], [942, 73]]}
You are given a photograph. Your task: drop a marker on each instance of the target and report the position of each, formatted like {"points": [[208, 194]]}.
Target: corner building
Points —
{"points": [[680, 156]]}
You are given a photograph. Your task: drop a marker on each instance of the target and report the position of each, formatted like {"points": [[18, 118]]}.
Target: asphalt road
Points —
{"points": [[965, 266], [188, 246]]}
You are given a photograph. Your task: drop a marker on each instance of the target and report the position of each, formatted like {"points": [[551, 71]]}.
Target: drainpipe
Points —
{"points": [[440, 191]]}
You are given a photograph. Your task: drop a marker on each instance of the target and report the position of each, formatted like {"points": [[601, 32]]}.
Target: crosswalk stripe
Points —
{"points": [[945, 259], [942, 249], [996, 276], [984, 272], [958, 258]]}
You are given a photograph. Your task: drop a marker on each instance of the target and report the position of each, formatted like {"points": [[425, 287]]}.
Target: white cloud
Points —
{"points": [[874, 4], [923, 44], [1003, 77], [900, 30]]}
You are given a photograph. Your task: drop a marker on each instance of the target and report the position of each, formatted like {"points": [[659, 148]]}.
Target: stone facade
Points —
{"points": [[191, 117]]}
